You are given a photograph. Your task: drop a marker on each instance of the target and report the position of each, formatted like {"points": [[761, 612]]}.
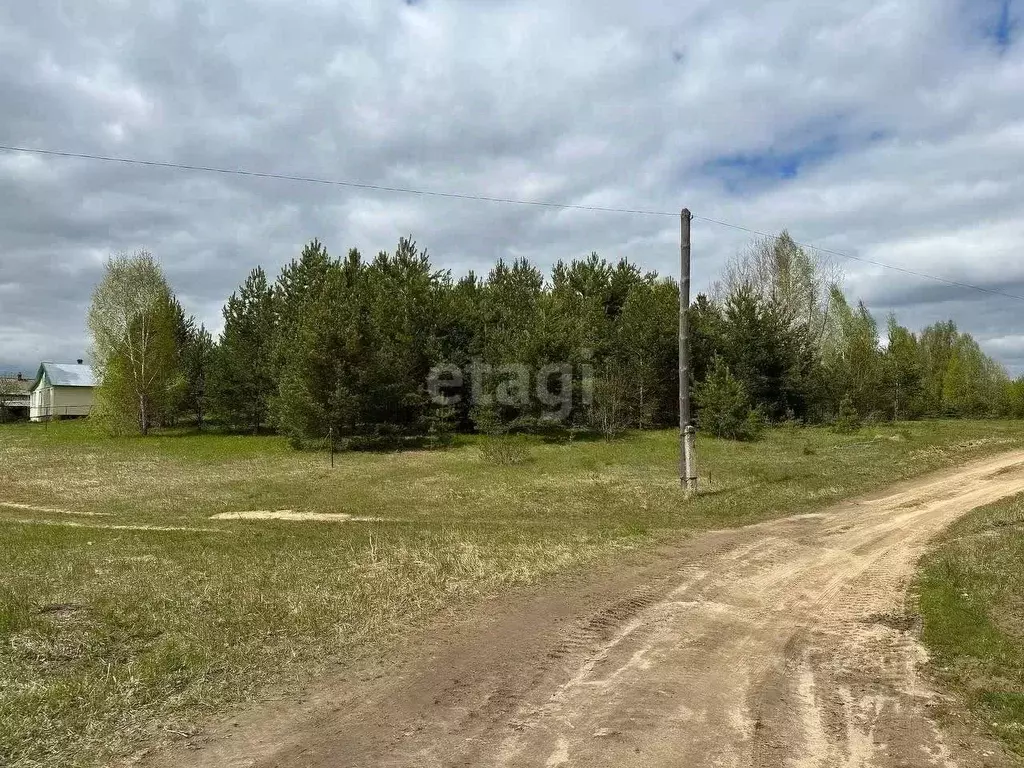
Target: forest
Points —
{"points": [[350, 348]]}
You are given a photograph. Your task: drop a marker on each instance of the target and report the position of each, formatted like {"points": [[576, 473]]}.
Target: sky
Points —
{"points": [[888, 130]]}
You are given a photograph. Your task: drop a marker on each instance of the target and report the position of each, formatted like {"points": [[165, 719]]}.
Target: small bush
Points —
{"points": [[725, 406], [506, 450], [790, 424], [848, 420]]}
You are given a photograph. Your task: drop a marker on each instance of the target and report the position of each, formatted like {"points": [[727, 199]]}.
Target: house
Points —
{"points": [[61, 391], [14, 397]]}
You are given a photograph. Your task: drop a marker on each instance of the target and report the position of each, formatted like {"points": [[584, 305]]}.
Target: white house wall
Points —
{"points": [[72, 401], [59, 402], [40, 403]]}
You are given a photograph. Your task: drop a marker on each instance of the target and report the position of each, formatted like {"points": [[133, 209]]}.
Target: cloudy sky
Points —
{"points": [[891, 130]]}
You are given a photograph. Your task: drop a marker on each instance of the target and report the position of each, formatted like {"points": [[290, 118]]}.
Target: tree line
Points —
{"points": [[348, 348]]}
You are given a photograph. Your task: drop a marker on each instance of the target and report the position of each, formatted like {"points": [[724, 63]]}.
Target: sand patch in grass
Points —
{"points": [[291, 514], [50, 510], [117, 527]]}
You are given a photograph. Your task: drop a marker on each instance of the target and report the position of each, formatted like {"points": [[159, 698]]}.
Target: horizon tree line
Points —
{"points": [[345, 347]]}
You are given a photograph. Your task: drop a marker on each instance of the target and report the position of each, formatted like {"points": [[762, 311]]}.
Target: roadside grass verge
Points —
{"points": [[972, 604], [114, 639]]}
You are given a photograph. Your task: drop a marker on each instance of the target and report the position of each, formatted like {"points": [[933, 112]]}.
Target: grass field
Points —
{"points": [[972, 603], [127, 614]]}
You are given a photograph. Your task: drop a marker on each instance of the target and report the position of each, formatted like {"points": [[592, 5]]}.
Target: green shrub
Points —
{"points": [[848, 421], [506, 450], [724, 406]]}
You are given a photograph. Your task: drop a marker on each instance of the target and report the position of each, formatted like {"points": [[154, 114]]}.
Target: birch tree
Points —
{"points": [[133, 331], [779, 271]]}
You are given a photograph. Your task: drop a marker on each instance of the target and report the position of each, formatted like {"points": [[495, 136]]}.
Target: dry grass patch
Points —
{"points": [[173, 625]]}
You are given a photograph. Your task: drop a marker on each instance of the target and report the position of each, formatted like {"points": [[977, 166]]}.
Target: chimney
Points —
{"points": [[79, 361]]}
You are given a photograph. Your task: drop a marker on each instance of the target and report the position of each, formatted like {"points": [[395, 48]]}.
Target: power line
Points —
{"points": [[863, 260], [331, 182], [482, 198]]}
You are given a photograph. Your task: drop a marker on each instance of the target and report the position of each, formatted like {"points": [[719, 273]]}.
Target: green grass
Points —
{"points": [[117, 638], [972, 603]]}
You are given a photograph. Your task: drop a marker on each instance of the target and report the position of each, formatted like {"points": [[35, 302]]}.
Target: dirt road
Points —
{"points": [[780, 644]]}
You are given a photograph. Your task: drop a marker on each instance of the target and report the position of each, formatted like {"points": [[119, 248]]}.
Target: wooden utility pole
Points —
{"points": [[687, 458]]}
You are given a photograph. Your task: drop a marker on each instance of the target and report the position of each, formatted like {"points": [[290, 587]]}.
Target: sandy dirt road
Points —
{"points": [[779, 644]]}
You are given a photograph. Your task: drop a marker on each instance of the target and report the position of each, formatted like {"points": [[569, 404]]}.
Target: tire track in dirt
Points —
{"points": [[779, 644]]}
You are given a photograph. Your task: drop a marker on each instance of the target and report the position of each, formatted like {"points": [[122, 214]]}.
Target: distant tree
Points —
{"points": [[197, 361], [132, 321], [1014, 398], [512, 329], [974, 385], [936, 344], [458, 329], [853, 357], [318, 387], [242, 378], [174, 404], [646, 347], [617, 401], [780, 272], [350, 346], [764, 350], [902, 372], [958, 378], [399, 294], [300, 284], [707, 335]]}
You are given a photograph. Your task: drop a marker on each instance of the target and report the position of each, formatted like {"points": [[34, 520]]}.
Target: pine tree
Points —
{"points": [[511, 309], [399, 295], [174, 403], [243, 382], [300, 283], [350, 345], [723, 404], [646, 349], [458, 328], [764, 351], [707, 335], [324, 360], [197, 360]]}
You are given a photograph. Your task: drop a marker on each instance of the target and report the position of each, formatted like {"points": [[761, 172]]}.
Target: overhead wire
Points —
{"points": [[330, 182], [863, 260], [485, 198]]}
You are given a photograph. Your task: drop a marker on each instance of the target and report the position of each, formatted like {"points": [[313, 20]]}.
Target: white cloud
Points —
{"points": [[892, 130]]}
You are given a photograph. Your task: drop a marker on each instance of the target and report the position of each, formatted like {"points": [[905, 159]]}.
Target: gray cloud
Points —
{"points": [[891, 131]]}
